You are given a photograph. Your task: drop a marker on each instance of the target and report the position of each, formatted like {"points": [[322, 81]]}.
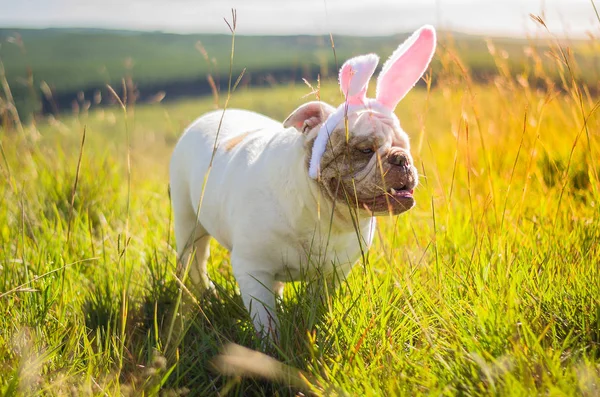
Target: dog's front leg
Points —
{"points": [[256, 288]]}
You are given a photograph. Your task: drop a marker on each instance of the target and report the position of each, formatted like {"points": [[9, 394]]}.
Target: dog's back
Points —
{"points": [[239, 136]]}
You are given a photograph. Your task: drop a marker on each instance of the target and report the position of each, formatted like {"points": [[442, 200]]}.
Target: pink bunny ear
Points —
{"points": [[405, 67], [354, 77]]}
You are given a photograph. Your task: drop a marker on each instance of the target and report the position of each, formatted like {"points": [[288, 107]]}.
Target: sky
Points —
{"points": [[573, 18]]}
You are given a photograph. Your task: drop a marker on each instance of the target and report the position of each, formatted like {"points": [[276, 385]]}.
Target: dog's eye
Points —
{"points": [[366, 151]]}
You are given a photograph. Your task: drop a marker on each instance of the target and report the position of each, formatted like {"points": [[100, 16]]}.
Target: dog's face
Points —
{"points": [[368, 166]]}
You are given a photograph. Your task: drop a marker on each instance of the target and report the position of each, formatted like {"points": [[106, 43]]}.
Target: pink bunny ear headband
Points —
{"points": [[399, 74]]}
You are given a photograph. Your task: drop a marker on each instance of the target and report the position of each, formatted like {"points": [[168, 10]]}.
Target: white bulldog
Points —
{"points": [[295, 199]]}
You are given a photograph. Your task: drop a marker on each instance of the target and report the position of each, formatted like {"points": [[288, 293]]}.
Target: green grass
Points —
{"points": [[489, 286]]}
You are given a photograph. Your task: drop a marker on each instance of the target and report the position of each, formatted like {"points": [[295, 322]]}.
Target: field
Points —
{"points": [[489, 286], [76, 64]]}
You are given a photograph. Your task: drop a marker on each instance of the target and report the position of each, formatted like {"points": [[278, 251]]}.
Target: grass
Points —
{"points": [[489, 286]]}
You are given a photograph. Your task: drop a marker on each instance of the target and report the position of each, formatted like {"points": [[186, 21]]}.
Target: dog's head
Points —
{"points": [[358, 152], [368, 165]]}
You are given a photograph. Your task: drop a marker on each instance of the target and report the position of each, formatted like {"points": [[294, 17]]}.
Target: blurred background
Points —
{"points": [[60, 55]]}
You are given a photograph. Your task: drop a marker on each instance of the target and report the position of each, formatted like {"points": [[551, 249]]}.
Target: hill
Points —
{"points": [[71, 61]]}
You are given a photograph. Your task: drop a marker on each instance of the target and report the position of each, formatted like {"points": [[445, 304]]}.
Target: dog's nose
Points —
{"points": [[399, 159]]}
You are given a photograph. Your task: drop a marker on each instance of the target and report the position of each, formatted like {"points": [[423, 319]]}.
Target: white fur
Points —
{"points": [[260, 204]]}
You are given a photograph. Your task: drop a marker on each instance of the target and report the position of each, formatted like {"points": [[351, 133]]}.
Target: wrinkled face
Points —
{"points": [[370, 167]]}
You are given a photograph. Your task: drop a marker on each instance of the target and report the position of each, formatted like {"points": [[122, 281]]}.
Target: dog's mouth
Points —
{"points": [[402, 192], [394, 201]]}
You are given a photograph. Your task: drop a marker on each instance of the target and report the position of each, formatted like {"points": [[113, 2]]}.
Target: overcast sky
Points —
{"points": [[360, 17]]}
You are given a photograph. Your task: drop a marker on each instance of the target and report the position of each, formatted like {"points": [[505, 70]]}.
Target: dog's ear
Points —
{"points": [[308, 115]]}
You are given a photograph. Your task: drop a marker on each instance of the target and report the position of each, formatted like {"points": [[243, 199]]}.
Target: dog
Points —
{"points": [[299, 197]]}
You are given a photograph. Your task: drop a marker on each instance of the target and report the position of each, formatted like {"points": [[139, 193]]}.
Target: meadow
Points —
{"points": [[489, 286], [60, 66]]}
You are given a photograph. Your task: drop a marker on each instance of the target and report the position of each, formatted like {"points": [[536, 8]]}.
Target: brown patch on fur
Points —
{"points": [[233, 142]]}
